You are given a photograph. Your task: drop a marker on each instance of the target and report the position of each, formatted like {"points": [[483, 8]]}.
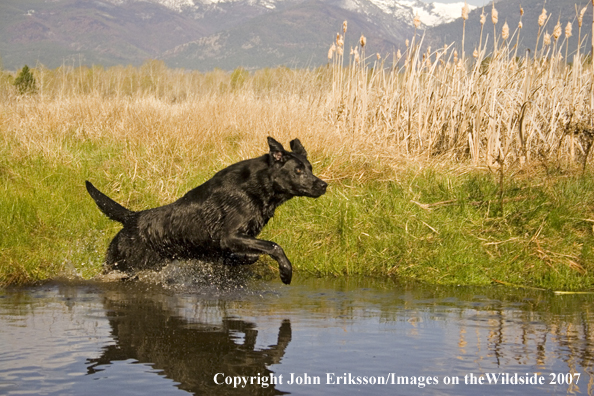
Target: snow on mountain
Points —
{"points": [[446, 12], [430, 14], [177, 5]]}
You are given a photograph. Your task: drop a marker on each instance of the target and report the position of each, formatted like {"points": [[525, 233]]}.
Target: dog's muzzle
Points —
{"points": [[319, 188]]}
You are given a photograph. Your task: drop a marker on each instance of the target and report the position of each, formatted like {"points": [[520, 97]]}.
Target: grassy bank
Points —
{"points": [[438, 222]]}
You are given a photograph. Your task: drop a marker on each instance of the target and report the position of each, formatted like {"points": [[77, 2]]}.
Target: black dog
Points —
{"points": [[219, 219]]}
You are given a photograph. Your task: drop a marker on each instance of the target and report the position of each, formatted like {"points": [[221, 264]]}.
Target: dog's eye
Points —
{"points": [[298, 171]]}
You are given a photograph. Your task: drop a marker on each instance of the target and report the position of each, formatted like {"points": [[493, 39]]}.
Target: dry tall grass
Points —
{"points": [[492, 109]]}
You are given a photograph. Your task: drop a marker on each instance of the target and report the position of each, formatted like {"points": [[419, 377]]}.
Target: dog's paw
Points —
{"points": [[286, 273]]}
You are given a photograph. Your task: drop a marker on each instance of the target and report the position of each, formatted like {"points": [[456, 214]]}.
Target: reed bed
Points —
{"points": [[493, 108]]}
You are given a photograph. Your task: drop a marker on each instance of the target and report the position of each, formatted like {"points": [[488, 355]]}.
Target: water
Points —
{"points": [[350, 335]]}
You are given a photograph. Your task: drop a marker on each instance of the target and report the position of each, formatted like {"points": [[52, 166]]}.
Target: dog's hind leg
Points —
{"points": [[245, 245], [127, 253]]}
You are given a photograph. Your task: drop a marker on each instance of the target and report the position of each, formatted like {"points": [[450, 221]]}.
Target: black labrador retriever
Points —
{"points": [[219, 219]]}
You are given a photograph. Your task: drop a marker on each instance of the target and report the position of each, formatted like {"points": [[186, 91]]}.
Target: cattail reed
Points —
{"points": [[568, 34], [542, 18], [494, 19], [417, 20], [580, 19], [520, 26], [465, 12], [417, 23], [483, 19], [505, 31], [557, 31]]}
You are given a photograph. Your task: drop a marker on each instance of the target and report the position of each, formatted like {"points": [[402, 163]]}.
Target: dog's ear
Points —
{"points": [[277, 151], [298, 148]]}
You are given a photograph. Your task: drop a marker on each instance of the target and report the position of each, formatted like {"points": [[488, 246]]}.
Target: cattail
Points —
{"points": [[505, 31], [475, 53], [406, 42], [521, 11], [494, 15], [557, 31], [460, 65], [483, 18], [363, 41], [581, 16], [352, 52], [339, 51], [417, 20], [455, 56], [547, 39], [344, 27], [378, 56], [398, 54], [337, 39], [331, 51], [568, 30], [465, 10], [520, 26], [542, 18], [356, 52]]}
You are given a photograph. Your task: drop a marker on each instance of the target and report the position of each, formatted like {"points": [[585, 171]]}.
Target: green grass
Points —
{"points": [[542, 238], [436, 225]]}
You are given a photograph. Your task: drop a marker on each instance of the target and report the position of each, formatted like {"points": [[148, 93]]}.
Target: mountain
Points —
{"points": [[204, 34]]}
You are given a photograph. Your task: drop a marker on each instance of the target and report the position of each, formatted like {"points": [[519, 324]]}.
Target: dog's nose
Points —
{"points": [[321, 184]]}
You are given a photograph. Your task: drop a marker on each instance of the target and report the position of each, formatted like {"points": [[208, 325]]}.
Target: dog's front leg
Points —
{"points": [[241, 244]]}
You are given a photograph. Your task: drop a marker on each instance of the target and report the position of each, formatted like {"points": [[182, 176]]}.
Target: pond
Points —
{"points": [[315, 337]]}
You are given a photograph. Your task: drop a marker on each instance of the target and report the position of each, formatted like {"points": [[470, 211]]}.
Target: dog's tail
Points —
{"points": [[111, 208]]}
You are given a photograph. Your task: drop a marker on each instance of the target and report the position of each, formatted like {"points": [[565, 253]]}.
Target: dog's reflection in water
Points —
{"points": [[146, 329]]}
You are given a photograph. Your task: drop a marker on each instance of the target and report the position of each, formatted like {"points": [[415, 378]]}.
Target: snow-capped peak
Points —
{"points": [[430, 14], [177, 5]]}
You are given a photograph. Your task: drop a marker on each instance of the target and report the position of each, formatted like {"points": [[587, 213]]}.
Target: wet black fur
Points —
{"points": [[219, 219]]}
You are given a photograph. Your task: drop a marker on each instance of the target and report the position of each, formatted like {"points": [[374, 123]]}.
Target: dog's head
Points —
{"points": [[291, 171]]}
